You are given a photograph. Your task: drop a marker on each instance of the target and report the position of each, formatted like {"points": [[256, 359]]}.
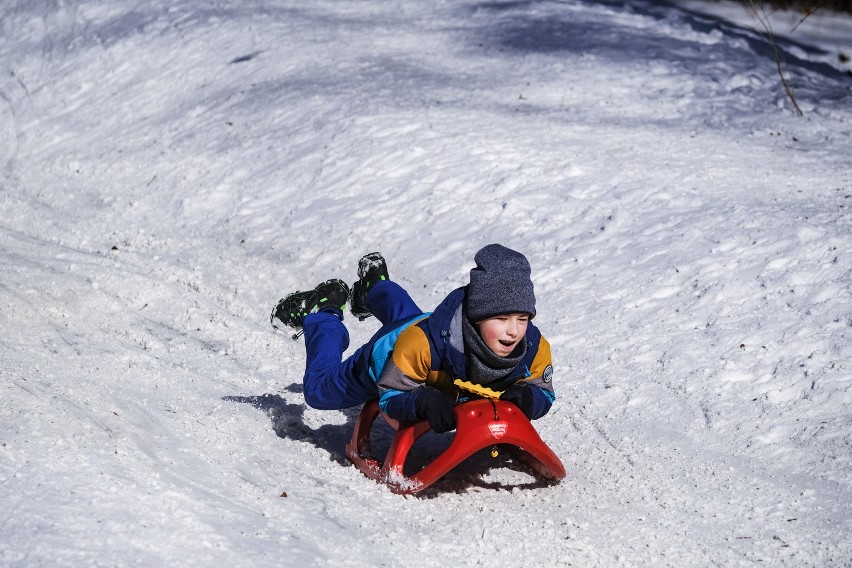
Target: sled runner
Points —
{"points": [[479, 424]]}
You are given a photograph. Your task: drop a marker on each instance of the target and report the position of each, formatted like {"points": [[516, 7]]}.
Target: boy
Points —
{"points": [[481, 334]]}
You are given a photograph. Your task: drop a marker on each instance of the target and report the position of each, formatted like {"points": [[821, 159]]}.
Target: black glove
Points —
{"points": [[521, 395], [437, 408]]}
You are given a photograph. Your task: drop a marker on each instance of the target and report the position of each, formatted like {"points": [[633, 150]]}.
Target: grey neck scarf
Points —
{"points": [[483, 365]]}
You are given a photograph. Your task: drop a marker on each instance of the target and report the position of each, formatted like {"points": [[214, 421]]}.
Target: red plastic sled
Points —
{"points": [[479, 424]]}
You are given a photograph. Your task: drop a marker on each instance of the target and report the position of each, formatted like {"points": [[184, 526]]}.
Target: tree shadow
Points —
{"points": [[522, 27]]}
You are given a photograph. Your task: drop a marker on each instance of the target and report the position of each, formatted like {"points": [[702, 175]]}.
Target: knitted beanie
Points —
{"points": [[499, 284]]}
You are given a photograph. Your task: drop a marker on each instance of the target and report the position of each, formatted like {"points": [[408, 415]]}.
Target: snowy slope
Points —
{"points": [[170, 169]]}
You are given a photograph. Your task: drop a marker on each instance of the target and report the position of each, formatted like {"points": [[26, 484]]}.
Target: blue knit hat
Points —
{"points": [[499, 284]]}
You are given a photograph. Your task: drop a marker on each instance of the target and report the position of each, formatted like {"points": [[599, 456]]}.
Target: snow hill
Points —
{"points": [[171, 168]]}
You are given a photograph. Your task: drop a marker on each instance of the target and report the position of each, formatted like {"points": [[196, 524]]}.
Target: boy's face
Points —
{"points": [[502, 333]]}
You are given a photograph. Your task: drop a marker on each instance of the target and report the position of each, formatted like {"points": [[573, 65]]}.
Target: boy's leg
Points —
{"points": [[390, 303], [332, 384], [329, 383]]}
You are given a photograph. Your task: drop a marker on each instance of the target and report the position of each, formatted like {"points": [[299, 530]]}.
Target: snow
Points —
{"points": [[171, 169]]}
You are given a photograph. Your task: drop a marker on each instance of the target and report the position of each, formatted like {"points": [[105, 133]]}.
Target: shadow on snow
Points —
{"points": [[522, 27]]}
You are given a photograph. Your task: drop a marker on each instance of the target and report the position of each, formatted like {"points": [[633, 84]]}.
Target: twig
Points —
{"points": [[809, 13], [761, 16]]}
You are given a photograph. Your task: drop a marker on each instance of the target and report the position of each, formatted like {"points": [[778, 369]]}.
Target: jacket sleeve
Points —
{"points": [[401, 405], [406, 371], [541, 403], [541, 380]]}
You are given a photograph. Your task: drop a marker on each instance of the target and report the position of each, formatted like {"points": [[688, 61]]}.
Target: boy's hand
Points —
{"points": [[521, 396], [437, 408]]}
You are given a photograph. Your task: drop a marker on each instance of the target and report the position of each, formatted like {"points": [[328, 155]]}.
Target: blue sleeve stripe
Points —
{"points": [[401, 405], [386, 396], [383, 348]]}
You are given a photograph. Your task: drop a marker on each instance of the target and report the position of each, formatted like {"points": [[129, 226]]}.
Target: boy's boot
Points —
{"points": [[372, 268], [291, 310]]}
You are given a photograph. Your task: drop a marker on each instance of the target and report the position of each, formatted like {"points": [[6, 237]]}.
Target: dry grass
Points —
{"points": [[807, 6]]}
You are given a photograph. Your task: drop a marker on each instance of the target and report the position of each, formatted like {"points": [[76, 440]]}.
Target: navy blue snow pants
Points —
{"points": [[332, 384]]}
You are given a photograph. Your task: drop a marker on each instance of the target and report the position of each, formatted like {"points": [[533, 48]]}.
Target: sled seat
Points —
{"points": [[479, 424]]}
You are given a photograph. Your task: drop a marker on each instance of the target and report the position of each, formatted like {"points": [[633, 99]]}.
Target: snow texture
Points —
{"points": [[170, 169]]}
